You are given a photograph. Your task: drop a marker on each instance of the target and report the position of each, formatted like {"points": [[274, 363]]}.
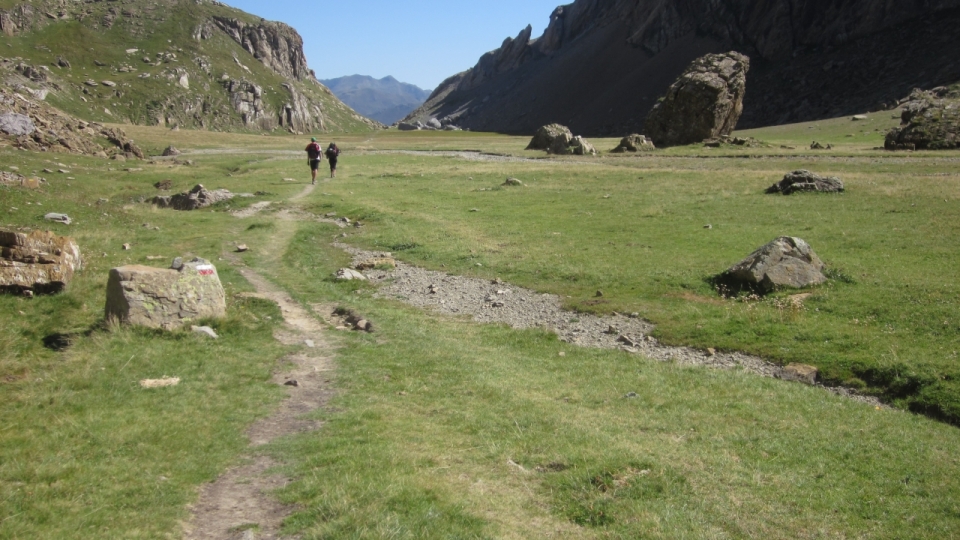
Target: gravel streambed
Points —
{"points": [[499, 302]]}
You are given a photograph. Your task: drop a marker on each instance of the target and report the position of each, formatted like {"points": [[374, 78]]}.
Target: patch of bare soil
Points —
{"points": [[239, 505]]}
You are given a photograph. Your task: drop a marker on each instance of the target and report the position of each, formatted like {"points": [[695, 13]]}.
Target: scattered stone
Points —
{"points": [[292, 382], [196, 198], [804, 180], [59, 218], [512, 182], [309, 343], [711, 351], [599, 294], [704, 103], [63, 62], [799, 373], [708, 226], [171, 151], [634, 143], [785, 262], [165, 298], [242, 248], [127, 247], [630, 395], [164, 185], [349, 274], [817, 146], [859, 117], [110, 84], [205, 330], [16, 180], [546, 136], [39, 262], [567, 145], [160, 383]]}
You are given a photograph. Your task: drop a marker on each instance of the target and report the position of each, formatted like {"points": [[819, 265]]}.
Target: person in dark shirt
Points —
{"points": [[314, 157], [332, 153]]}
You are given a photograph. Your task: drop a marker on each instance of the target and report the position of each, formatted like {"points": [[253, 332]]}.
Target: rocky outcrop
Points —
{"points": [[35, 125], [634, 143], [196, 198], [705, 102], [247, 99], [601, 64], [571, 146], [277, 45], [930, 120], [300, 115], [37, 262], [804, 180], [165, 298], [786, 262], [545, 137]]}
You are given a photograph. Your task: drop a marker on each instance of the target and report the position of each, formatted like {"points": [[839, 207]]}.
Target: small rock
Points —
{"points": [[859, 117], [512, 182], [711, 351], [126, 247], [205, 330], [177, 263], [241, 248], [561, 354], [292, 382], [309, 343], [799, 373], [708, 226], [160, 383], [59, 218], [349, 274], [630, 395], [599, 294]]}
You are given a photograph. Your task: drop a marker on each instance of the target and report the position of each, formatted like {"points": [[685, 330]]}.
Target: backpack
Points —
{"points": [[313, 150], [333, 152]]}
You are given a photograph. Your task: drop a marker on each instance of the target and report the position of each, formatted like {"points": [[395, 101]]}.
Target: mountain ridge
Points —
{"points": [[601, 64]]}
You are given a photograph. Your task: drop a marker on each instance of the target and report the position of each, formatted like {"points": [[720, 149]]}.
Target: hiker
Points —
{"points": [[332, 153], [314, 157]]}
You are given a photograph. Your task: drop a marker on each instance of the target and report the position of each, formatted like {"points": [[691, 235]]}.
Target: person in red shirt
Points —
{"points": [[314, 157]]}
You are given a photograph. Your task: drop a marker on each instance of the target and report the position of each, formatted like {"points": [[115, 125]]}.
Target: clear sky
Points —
{"points": [[417, 41]]}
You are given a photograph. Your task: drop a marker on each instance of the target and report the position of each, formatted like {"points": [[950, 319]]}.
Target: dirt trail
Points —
{"points": [[240, 504]]}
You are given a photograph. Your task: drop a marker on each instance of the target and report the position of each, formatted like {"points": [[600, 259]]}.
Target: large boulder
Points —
{"points": [[171, 151], [804, 180], [16, 124], [930, 120], [39, 262], [165, 298], [785, 262], [546, 137], [705, 102], [198, 197], [634, 143], [567, 145]]}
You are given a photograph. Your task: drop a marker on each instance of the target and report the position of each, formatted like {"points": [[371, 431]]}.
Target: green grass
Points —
{"points": [[441, 428]]}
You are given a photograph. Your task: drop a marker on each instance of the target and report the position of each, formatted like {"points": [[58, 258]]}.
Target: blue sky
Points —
{"points": [[417, 41]]}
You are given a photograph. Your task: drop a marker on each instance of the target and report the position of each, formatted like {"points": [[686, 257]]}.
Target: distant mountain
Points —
{"points": [[386, 100]]}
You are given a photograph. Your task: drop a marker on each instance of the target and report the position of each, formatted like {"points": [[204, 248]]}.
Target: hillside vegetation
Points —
{"points": [[172, 63]]}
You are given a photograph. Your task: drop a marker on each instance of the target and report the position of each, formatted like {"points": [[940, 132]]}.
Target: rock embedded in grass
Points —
{"points": [[40, 262], [165, 298], [804, 180], [785, 262]]}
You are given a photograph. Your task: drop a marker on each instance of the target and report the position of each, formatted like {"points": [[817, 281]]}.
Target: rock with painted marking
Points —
{"points": [[163, 297]]}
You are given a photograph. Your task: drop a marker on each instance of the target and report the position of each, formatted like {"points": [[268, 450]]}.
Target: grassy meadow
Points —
{"points": [[442, 428]]}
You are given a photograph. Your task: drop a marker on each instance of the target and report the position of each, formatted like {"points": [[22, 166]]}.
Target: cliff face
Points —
{"points": [[185, 63], [601, 64]]}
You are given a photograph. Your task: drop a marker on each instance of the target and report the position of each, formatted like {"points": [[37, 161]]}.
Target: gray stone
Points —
{"points": [[16, 124], [164, 298], [785, 262], [198, 197], [205, 330], [349, 274], [545, 137], [38, 262], [405, 126], [434, 123], [704, 103], [59, 218], [512, 182], [799, 373], [804, 180], [171, 151], [634, 143]]}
